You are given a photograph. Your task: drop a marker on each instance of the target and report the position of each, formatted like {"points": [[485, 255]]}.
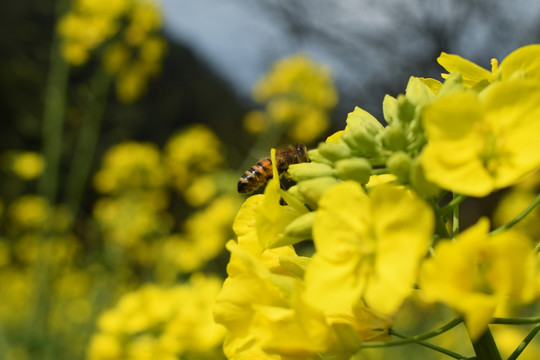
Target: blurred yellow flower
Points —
{"points": [[131, 83], [104, 347], [130, 165], [255, 122], [116, 56], [478, 272], [130, 220], [17, 292], [110, 7], [297, 92], [136, 51], [204, 236], [27, 165], [165, 323], [28, 212], [201, 191], [191, 153]]}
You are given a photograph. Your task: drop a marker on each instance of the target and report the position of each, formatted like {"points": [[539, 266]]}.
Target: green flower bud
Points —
{"points": [[313, 189], [418, 92], [452, 84], [299, 229], [334, 151], [295, 191], [420, 183], [357, 169], [317, 157], [407, 109], [390, 109], [304, 171], [361, 133], [393, 138], [361, 142], [399, 164]]}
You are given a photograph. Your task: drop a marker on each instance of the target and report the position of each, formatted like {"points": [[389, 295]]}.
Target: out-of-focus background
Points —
{"points": [[125, 125]]}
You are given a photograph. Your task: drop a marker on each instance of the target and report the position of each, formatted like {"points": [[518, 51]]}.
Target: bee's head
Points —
{"points": [[301, 153]]}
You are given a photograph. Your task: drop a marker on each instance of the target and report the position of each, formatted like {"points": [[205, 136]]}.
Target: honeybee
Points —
{"points": [[261, 172]]}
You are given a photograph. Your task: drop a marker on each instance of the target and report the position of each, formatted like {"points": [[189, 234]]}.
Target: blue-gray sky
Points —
{"points": [[241, 38]]}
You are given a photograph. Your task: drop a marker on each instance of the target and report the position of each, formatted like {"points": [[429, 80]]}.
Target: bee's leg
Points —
{"points": [[283, 187]]}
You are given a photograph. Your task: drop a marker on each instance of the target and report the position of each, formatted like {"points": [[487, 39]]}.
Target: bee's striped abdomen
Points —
{"points": [[257, 175]]}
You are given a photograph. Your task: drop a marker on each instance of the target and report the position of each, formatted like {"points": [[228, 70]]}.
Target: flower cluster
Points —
{"points": [[191, 156], [159, 218], [375, 204], [296, 93], [128, 33], [161, 323], [27, 165], [138, 183]]}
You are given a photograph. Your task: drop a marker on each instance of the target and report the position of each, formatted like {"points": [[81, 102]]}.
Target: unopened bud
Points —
{"points": [[390, 109], [361, 132], [357, 169], [361, 142], [407, 109], [304, 171], [393, 138], [334, 151], [399, 164], [299, 229], [313, 189], [420, 183], [316, 157]]}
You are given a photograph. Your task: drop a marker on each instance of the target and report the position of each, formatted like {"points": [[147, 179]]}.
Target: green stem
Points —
{"points": [[52, 124], [53, 115], [520, 217], [380, 171], [455, 218], [446, 327], [524, 343], [516, 321], [87, 139], [485, 347], [440, 223], [431, 346], [449, 208]]}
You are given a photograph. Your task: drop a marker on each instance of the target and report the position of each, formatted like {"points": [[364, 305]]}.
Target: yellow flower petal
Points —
{"points": [[403, 226], [476, 272], [470, 72], [367, 246], [523, 62]]}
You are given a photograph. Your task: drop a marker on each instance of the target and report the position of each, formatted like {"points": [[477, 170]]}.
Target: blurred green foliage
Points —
{"points": [[117, 194]]}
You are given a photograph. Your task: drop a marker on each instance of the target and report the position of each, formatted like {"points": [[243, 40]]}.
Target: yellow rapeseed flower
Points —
{"points": [[368, 247], [297, 92], [161, 323], [130, 165], [136, 51], [480, 143], [193, 152], [29, 212], [521, 63], [478, 272], [27, 165]]}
